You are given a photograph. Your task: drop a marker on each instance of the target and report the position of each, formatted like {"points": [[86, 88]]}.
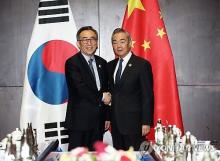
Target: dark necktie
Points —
{"points": [[91, 67], [118, 73]]}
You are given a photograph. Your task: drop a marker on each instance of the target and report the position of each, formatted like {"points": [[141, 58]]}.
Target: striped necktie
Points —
{"points": [[118, 73], [91, 67]]}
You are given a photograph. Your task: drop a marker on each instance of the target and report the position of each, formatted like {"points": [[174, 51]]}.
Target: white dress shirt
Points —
{"points": [[124, 63]]}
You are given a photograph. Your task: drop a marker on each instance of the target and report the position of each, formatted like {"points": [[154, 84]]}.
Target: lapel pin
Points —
{"points": [[100, 66], [129, 65]]}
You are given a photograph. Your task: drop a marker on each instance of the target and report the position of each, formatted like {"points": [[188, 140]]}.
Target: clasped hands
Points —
{"points": [[107, 98]]}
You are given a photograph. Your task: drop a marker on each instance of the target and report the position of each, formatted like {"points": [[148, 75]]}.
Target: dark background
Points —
{"points": [[193, 28]]}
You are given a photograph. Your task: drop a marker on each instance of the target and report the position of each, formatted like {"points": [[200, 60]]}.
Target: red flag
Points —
{"points": [[143, 20]]}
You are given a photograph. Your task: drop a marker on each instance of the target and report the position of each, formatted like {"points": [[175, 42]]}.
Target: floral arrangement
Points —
{"points": [[103, 153]]}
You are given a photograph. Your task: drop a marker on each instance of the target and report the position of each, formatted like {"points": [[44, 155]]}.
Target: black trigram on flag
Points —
{"points": [[56, 130], [53, 11]]}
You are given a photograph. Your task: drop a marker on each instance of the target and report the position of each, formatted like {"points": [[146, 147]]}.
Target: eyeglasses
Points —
{"points": [[86, 41]]}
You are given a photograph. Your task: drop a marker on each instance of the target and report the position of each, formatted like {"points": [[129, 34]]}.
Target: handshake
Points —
{"points": [[107, 98]]}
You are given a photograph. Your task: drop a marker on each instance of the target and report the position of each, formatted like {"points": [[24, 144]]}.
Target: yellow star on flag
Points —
{"points": [[146, 45], [160, 32], [133, 4]]}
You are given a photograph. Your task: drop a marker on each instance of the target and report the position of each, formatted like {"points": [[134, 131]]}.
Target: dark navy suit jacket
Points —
{"points": [[85, 107], [132, 97]]}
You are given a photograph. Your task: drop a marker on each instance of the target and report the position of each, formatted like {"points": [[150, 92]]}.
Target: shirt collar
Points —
{"points": [[88, 57], [127, 57]]}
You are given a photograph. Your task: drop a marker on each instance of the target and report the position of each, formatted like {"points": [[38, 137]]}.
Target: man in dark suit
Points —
{"points": [[87, 82], [131, 84]]}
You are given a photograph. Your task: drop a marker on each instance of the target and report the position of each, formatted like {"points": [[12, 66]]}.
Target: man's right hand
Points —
{"points": [[107, 97]]}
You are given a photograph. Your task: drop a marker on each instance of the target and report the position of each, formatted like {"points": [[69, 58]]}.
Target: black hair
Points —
{"points": [[85, 28]]}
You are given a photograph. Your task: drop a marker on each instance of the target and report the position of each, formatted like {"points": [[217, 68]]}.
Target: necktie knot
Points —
{"points": [[121, 60], [90, 60]]}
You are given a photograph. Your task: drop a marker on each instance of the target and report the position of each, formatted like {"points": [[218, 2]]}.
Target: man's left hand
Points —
{"points": [[145, 130]]}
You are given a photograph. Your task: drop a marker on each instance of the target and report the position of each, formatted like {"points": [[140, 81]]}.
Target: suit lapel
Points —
{"points": [[113, 70], [99, 69], [127, 69]]}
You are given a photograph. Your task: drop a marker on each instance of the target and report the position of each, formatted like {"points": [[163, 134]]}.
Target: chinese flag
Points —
{"points": [[143, 20]]}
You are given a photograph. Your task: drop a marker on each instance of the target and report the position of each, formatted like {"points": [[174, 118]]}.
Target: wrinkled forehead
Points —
{"points": [[120, 36]]}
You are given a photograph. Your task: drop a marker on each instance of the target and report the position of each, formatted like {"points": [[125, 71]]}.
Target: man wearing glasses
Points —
{"points": [[87, 82]]}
